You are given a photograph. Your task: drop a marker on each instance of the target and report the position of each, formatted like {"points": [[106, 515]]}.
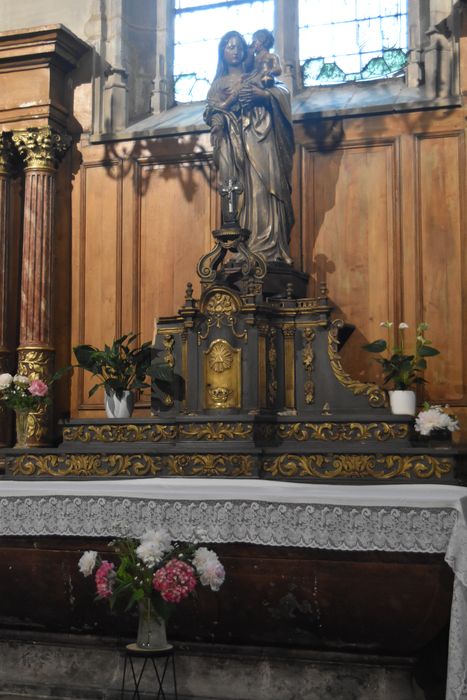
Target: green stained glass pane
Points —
{"points": [[395, 59], [375, 68], [312, 68], [356, 39], [331, 73]]}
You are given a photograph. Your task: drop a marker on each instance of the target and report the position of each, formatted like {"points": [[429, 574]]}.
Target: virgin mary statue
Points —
{"points": [[252, 138]]}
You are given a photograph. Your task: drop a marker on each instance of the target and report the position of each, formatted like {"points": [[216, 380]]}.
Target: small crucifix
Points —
{"points": [[230, 191]]}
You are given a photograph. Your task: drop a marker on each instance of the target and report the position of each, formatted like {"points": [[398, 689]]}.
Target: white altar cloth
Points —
{"points": [[427, 518]]}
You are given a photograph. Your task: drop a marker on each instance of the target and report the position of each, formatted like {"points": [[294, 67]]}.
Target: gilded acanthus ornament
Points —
{"points": [[376, 395], [308, 357], [41, 147], [357, 466], [132, 465]]}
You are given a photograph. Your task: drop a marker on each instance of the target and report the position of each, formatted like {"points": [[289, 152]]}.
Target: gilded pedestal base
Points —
{"points": [[37, 363]]}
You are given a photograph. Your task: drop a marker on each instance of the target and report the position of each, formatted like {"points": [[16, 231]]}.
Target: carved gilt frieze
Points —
{"points": [[343, 431], [357, 466]]}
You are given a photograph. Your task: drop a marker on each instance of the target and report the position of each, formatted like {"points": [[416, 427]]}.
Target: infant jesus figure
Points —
{"points": [[261, 66], [266, 64]]}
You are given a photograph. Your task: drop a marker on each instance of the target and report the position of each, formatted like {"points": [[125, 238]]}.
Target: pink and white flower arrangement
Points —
{"points": [[153, 567], [22, 393], [435, 418]]}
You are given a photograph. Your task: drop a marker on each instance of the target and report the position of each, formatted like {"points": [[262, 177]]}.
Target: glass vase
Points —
{"points": [[21, 428], [151, 628]]}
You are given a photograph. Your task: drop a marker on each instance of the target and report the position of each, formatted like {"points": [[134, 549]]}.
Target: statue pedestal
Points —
{"points": [[280, 279]]}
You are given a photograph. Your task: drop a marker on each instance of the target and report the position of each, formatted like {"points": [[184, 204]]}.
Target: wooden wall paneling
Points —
{"points": [[62, 283], [98, 258], [130, 256], [296, 242], [175, 230], [442, 262], [408, 273], [352, 232]]}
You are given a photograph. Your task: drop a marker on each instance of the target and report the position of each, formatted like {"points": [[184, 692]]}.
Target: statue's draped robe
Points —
{"points": [[257, 149]]}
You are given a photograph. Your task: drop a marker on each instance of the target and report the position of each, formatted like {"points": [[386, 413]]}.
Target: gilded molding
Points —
{"points": [[308, 358], [41, 148], [211, 465], [343, 431], [168, 341], [288, 332], [216, 431], [272, 366], [132, 465], [120, 433], [220, 309], [376, 396], [37, 363], [222, 375], [357, 466]]}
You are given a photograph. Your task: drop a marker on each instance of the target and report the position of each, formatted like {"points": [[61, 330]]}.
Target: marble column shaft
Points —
{"points": [[5, 163], [41, 149]]}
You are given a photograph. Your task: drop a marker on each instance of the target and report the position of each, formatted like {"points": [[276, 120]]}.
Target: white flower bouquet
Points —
{"points": [[434, 418]]}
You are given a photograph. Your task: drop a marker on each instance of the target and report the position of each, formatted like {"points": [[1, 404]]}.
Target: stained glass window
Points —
{"points": [[198, 26], [348, 40]]}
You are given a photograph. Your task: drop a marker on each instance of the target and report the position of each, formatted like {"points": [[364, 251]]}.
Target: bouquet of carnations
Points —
{"points": [[154, 568]]}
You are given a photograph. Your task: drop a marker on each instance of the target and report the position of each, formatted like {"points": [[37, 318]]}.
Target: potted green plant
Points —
{"points": [[121, 367], [402, 368]]}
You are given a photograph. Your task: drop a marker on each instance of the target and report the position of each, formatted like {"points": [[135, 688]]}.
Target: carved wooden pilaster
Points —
{"points": [[41, 150], [5, 176]]}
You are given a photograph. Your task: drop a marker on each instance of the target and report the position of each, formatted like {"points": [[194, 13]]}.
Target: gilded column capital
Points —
{"points": [[41, 148], [6, 153]]}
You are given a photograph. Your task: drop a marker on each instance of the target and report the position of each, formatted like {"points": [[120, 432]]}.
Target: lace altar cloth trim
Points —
{"points": [[431, 521], [323, 526]]}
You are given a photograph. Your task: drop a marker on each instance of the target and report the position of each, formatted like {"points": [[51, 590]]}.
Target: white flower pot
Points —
{"points": [[119, 408], [403, 402]]}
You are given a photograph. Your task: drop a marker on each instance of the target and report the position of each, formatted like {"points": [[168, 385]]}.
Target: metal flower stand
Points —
{"points": [[160, 660]]}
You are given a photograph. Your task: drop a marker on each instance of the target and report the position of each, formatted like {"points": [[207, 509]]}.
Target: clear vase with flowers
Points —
{"points": [[402, 368], [155, 574]]}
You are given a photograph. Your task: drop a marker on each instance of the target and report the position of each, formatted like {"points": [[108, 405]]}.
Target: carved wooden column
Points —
{"points": [[41, 150], [5, 172]]}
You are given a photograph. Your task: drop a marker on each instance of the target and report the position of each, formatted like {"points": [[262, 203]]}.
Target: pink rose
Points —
{"points": [[38, 388]]}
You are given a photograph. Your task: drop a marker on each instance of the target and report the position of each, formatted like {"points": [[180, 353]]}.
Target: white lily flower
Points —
{"points": [[403, 326]]}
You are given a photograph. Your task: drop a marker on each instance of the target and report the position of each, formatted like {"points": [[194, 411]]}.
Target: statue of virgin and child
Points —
{"points": [[249, 112]]}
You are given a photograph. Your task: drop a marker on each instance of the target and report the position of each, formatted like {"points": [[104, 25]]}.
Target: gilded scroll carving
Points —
{"points": [[376, 395], [357, 466]]}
